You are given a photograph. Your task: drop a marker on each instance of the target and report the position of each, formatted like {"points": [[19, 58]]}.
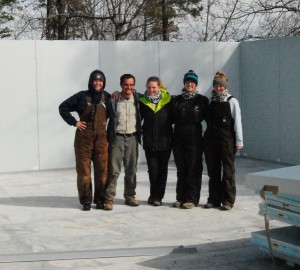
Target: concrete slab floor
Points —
{"points": [[42, 226]]}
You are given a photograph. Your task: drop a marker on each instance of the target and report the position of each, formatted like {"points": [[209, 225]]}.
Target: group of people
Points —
{"points": [[110, 128]]}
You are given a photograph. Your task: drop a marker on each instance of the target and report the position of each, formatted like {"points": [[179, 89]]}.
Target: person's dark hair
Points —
{"points": [[154, 79], [126, 77]]}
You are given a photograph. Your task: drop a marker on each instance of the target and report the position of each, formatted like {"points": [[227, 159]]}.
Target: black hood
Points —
{"points": [[92, 75]]}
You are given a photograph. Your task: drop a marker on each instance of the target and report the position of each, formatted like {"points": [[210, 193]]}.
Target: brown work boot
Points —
{"points": [[226, 207], [131, 202], [157, 203], [108, 205], [210, 205], [188, 205], [177, 204]]}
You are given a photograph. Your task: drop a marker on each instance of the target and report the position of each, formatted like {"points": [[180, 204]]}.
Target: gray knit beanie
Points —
{"points": [[220, 79]]}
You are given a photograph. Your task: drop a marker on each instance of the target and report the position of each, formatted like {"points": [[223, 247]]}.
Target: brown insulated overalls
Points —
{"points": [[91, 145]]}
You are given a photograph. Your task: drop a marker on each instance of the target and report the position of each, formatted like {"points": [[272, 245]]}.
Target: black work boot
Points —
{"points": [[86, 207], [100, 205]]}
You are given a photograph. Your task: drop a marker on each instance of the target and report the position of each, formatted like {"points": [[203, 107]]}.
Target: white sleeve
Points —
{"points": [[236, 115]]}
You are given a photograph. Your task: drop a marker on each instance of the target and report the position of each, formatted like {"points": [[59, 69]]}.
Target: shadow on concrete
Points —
{"points": [[48, 201], [233, 255], [42, 201]]}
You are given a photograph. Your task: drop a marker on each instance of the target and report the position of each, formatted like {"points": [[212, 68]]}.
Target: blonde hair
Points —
{"points": [[157, 80]]}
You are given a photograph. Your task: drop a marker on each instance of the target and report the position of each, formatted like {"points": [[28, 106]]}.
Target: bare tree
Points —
{"points": [[280, 18], [197, 20], [72, 18], [222, 21], [62, 19], [237, 20], [124, 16]]}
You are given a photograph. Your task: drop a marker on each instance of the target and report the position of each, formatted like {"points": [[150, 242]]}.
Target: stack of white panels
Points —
{"points": [[282, 207], [284, 241], [283, 204]]}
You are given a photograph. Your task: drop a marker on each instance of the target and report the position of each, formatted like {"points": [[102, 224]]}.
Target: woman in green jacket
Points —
{"points": [[156, 136]]}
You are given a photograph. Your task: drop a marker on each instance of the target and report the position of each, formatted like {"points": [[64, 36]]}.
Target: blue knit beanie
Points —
{"points": [[190, 75]]}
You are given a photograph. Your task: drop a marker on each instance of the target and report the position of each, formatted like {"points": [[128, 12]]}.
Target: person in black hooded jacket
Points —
{"points": [[90, 139]]}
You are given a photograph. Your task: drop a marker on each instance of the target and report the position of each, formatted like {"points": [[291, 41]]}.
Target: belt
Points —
{"points": [[126, 134]]}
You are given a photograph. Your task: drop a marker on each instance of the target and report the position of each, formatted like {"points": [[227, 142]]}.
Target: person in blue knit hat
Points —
{"points": [[190, 76], [188, 112]]}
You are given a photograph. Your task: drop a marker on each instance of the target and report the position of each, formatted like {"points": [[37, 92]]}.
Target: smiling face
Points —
{"points": [[219, 88], [152, 88], [97, 84], [190, 86], [127, 87]]}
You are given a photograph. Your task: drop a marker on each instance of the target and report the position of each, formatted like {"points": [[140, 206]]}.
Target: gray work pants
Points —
{"points": [[123, 150]]}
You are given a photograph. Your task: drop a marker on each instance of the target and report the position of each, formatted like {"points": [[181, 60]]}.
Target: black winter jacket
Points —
{"points": [[188, 115], [157, 125]]}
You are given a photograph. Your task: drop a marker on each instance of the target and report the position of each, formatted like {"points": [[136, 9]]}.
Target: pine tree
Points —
{"points": [[161, 15], [5, 17]]}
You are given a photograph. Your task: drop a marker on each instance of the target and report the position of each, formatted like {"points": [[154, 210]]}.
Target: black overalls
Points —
{"points": [[219, 152], [188, 146], [91, 145]]}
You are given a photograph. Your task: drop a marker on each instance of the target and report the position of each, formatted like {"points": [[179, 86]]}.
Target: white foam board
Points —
{"points": [[286, 179]]}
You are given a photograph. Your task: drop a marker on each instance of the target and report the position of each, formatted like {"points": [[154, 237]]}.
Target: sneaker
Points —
{"points": [[157, 203], [177, 204], [226, 207], [132, 202], [109, 205], [188, 205], [86, 207]]}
